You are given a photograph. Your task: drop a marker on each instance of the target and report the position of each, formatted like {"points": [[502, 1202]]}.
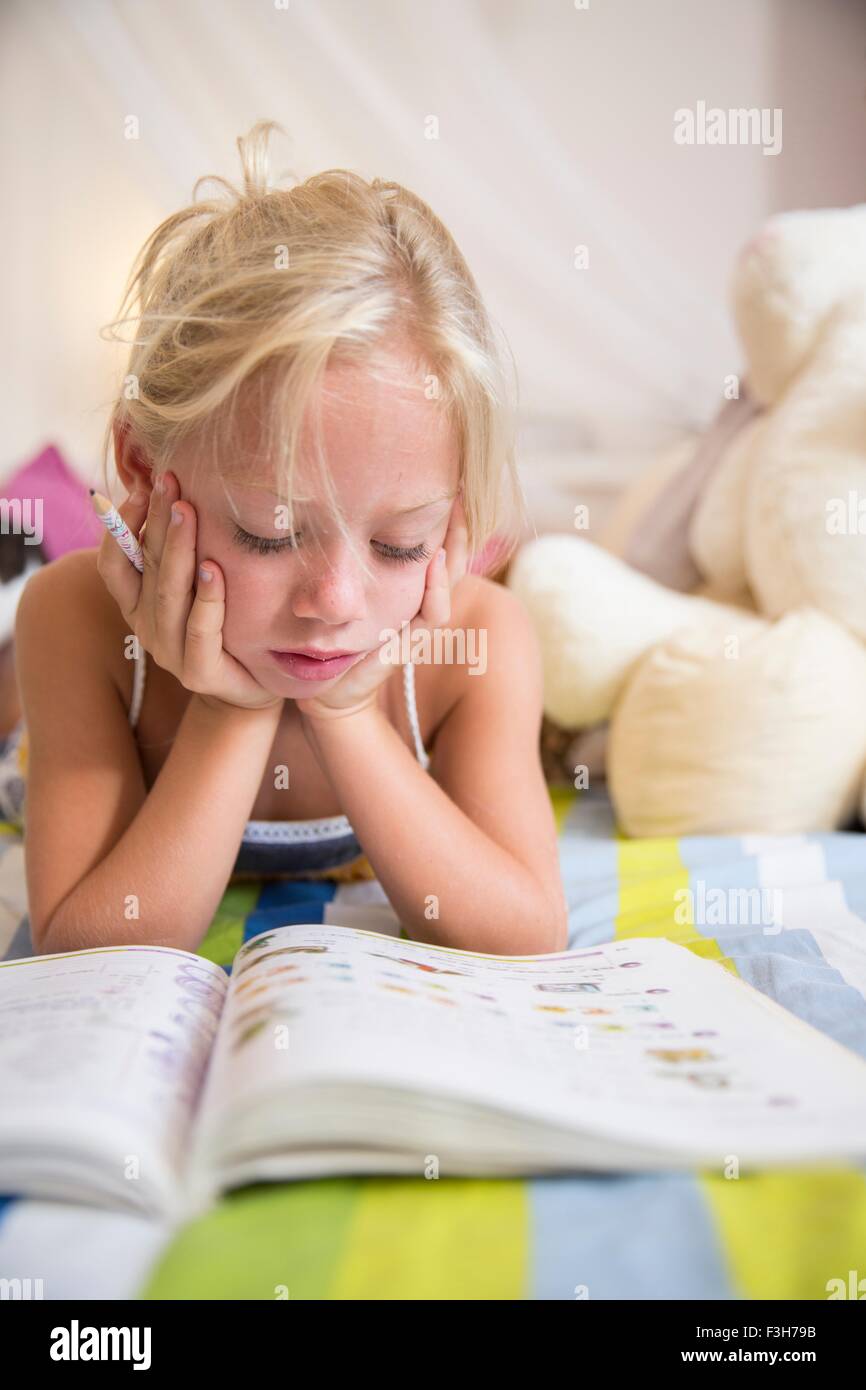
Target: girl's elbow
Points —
{"points": [[549, 932], [559, 931], [558, 922]]}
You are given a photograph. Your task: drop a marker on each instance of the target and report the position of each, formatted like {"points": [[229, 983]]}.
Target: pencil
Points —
{"points": [[117, 527]]}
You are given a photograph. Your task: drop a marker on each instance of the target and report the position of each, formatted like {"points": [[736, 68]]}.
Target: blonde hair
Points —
{"points": [[249, 298]]}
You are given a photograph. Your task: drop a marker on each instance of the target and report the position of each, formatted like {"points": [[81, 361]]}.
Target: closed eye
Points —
{"points": [[403, 556], [264, 545]]}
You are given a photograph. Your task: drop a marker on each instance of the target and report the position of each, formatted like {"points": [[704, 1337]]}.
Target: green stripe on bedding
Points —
{"points": [[225, 935], [270, 1241]]}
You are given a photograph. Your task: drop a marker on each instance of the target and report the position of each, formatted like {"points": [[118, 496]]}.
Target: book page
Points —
{"points": [[637, 1036], [108, 1046]]}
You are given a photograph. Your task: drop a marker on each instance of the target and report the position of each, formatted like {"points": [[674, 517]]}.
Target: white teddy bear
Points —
{"points": [[740, 705]]}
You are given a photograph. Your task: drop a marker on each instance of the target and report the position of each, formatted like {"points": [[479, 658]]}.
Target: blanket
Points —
{"points": [[792, 1234]]}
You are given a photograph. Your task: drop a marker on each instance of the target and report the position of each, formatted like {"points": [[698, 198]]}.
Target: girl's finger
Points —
{"points": [[162, 495], [118, 573], [456, 541], [436, 604], [204, 628], [176, 579]]}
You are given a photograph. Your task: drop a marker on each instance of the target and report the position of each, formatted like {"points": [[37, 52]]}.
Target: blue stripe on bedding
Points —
{"points": [[845, 857], [287, 903], [787, 965], [672, 1250]]}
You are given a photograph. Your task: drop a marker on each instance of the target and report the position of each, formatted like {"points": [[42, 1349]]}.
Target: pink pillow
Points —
{"points": [[68, 519]]}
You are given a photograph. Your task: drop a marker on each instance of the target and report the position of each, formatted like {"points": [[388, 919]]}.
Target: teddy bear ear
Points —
{"points": [[788, 278]]}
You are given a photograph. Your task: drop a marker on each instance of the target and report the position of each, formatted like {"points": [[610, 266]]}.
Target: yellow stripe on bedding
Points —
{"points": [[654, 899], [561, 799], [447, 1238], [789, 1234]]}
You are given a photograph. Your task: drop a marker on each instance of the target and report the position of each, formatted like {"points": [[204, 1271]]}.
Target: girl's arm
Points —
{"points": [[467, 856], [109, 863]]}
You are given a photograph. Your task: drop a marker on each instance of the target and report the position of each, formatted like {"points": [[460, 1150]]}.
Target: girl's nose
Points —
{"points": [[330, 589]]}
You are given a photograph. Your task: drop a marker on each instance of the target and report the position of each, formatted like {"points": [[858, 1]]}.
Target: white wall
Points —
{"points": [[556, 129]]}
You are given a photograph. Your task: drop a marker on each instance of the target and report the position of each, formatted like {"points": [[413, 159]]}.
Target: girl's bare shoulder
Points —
{"points": [[489, 631], [69, 595], [488, 595], [488, 611]]}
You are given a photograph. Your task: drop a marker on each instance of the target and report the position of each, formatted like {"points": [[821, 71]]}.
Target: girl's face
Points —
{"points": [[395, 471]]}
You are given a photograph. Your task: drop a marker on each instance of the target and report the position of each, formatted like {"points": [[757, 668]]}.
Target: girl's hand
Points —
{"points": [[178, 624], [359, 687]]}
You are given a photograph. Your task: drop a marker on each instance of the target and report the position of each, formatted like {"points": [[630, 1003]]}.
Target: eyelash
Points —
{"points": [[265, 545]]}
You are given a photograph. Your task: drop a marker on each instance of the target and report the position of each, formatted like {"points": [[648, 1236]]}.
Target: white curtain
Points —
{"points": [[554, 131]]}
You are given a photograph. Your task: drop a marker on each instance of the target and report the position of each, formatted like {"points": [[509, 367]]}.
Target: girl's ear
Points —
{"points": [[133, 468]]}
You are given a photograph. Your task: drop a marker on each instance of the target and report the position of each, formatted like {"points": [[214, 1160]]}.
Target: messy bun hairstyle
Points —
{"points": [[246, 298]]}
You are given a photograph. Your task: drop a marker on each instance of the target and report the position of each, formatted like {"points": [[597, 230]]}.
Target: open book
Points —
{"points": [[145, 1077]]}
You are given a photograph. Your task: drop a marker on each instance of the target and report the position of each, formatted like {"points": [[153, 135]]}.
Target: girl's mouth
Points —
{"points": [[312, 668]]}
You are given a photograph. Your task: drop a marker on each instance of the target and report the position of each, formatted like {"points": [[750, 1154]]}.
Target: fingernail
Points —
{"points": [[204, 574], [176, 516], [439, 559], [159, 485]]}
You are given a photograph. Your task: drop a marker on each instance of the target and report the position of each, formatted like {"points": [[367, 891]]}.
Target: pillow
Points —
{"points": [[710, 737], [68, 519]]}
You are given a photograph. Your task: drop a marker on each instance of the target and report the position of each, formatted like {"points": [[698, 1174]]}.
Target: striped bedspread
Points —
{"points": [[788, 914]]}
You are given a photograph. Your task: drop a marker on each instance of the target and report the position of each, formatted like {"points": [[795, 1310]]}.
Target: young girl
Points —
{"points": [[305, 679]]}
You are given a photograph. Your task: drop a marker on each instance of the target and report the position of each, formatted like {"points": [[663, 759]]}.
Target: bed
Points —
{"points": [[773, 1234]]}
